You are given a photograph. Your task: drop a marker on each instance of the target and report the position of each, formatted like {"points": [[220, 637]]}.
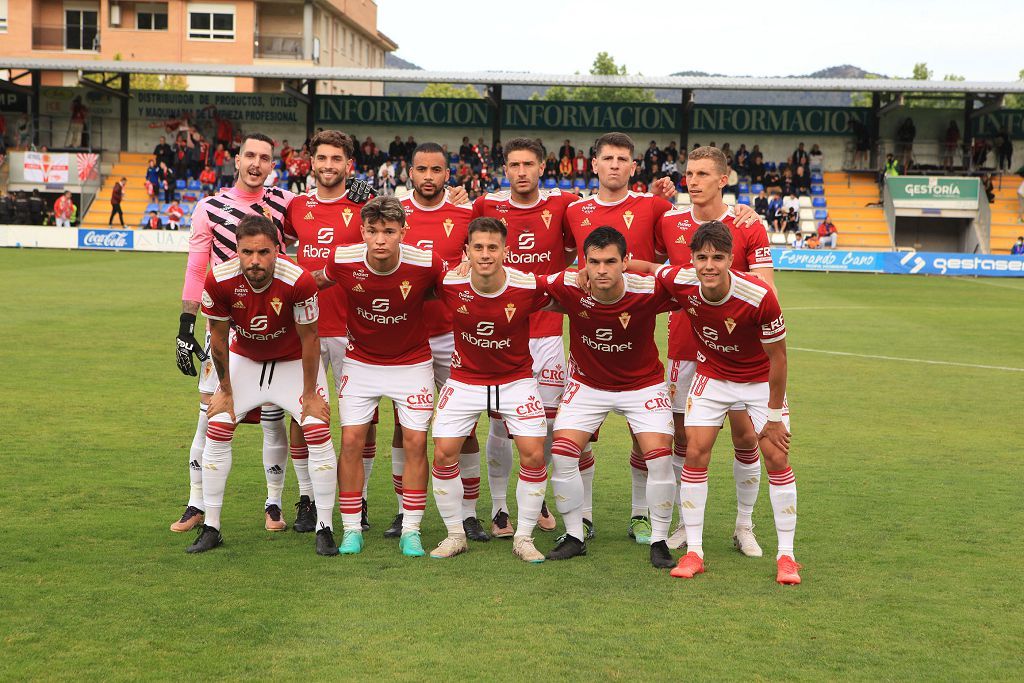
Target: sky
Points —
{"points": [[978, 39]]}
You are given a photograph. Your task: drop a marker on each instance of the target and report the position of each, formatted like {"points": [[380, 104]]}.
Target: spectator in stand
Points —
{"points": [[1018, 248], [799, 156], [742, 160], [79, 113], [21, 213], [905, 135], [385, 180], [567, 150], [298, 169], [772, 181], [565, 167], [62, 210], [402, 175], [812, 241], [24, 132], [166, 182], [218, 157], [732, 186], [950, 144], [727, 151], [286, 152], [756, 167], [989, 187], [225, 130], [208, 179], [116, 196], [195, 145], [551, 166], [670, 169], [816, 152], [671, 152], [227, 171], [652, 158], [892, 166], [153, 222], [410, 147], [498, 155], [1004, 149], [465, 150], [761, 205], [802, 182], [163, 152], [36, 207], [979, 151], [790, 213], [787, 185], [861, 143], [1020, 201], [396, 150], [639, 186], [181, 159], [174, 215], [827, 234], [799, 242], [152, 180]]}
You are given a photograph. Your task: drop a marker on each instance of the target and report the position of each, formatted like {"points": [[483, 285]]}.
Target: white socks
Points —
{"points": [[323, 464], [746, 470], [638, 473], [782, 491], [397, 470], [661, 489], [216, 466], [529, 497], [499, 465], [469, 467], [275, 452], [693, 498], [195, 461], [448, 491], [567, 485]]}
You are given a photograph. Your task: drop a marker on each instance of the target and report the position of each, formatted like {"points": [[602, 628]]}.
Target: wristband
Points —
{"points": [[186, 324], [775, 414]]}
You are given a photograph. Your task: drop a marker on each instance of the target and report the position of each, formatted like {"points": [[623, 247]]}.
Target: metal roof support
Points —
{"points": [[873, 131], [685, 110], [967, 133], [311, 107], [125, 96], [497, 112]]}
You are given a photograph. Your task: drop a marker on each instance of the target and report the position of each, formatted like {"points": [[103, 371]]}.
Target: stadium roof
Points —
{"points": [[287, 72]]}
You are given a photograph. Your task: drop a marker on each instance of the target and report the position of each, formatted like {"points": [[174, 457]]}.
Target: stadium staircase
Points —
{"points": [[1005, 227], [860, 227], [131, 165]]}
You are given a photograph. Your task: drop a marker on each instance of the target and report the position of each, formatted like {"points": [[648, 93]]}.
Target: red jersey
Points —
{"points": [[385, 325], [536, 241], [611, 346], [492, 331], [750, 250], [731, 331], [636, 215], [443, 229], [264, 320]]}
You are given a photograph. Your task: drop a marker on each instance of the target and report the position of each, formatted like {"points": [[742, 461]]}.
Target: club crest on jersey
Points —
{"points": [[448, 225], [308, 216], [730, 325], [207, 299], [238, 304], [358, 288], [462, 309], [624, 319], [346, 215], [275, 303], [585, 223], [405, 288], [546, 217], [510, 311], [627, 218]]}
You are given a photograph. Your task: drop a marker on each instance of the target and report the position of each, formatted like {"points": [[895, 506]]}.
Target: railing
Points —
{"points": [[50, 37], [277, 47]]}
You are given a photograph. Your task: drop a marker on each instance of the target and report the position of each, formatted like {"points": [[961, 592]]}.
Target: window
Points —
{"points": [[81, 29], [3, 16], [151, 17], [211, 22]]}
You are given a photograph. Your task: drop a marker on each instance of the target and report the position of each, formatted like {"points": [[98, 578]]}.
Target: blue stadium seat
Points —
{"points": [[594, 183], [819, 214], [579, 184], [453, 167], [816, 177], [164, 207], [454, 158], [194, 185], [744, 188], [771, 166], [817, 190], [180, 184], [756, 187], [152, 207], [744, 199], [505, 182], [564, 184], [550, 183], [818, 202]]}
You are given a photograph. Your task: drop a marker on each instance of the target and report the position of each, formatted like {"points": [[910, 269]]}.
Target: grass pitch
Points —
{"points": [[909, 478]]}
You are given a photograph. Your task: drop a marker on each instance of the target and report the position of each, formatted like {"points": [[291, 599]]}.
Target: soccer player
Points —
{"points": [[321, 220], [273, 358], [212, 242], [615, 368], [386, 283], [737, 321], [435, 222], [707, 175], [492, 371]]}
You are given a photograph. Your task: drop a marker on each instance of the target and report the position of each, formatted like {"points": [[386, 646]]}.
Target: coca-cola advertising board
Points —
{"points": [[89, 238]]}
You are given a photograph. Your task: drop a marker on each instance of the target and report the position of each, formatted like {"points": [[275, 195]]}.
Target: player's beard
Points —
{"points": [[438, 190], [334, 181], [257, 276], [245, 177]]}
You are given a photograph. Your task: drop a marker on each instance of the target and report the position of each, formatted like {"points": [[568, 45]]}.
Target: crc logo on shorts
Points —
{"points": [[527, 241], [662, 401], [325, 235], [421, 400], [381, 305], [532, 407], [484, 328], [555, 375], [603, 334], [258, 323]]}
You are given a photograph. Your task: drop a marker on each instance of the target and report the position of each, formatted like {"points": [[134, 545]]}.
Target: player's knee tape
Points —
{"points": [[220, 428], [636, 461], [315, 431], [566, 448]]}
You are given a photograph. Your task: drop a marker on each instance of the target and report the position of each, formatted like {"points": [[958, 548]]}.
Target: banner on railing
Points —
{"points": [[899, 263], [43, 167]]}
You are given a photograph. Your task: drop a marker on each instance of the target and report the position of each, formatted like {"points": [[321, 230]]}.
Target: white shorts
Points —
{"points": [[550, 371], [410, 387], [709, 400], [584, 408], [332, 355], [441, 348], [255, 383], [517, 403], [680, 376]]}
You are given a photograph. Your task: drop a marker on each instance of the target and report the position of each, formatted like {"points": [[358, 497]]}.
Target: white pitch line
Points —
{"points": [[909, 360], [983, 281], [825, 308]]}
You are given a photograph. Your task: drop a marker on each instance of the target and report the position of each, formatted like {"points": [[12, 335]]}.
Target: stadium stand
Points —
{"points": [[846, 197], [131, 165], [1005, 227]]}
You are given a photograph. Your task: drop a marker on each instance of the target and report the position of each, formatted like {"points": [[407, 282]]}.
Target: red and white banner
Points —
{"points": [[43, 167]]}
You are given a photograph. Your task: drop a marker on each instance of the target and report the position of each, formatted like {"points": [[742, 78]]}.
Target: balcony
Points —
{"points": [[277, 47], [72, 37]]}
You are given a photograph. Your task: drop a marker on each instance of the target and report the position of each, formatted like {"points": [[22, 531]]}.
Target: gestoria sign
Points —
{"points": [[931, 192]]}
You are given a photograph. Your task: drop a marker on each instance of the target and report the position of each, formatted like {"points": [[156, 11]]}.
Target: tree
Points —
{"points": [[450, 91], [604, 65], [1016, 101], [144, 81], [913, 100]]}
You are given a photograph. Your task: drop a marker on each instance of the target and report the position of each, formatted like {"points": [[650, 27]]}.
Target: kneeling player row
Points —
{"points": [[614, 360]]}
